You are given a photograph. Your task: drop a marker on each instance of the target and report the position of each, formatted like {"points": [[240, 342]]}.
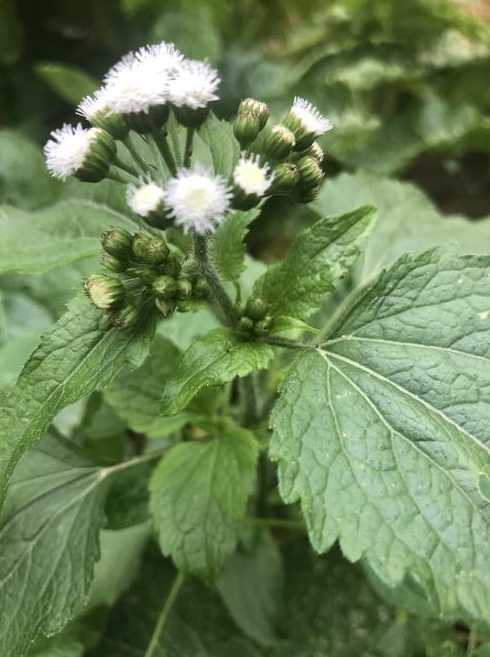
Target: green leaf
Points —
{"points": [[80, 354], [319, 257], [198, 496], [69, 82], [382, 432], [137, 398], [252, 587], [215, 146], [212, 360], [59, 235], [24, 180], [183, 328], [49, 541], [226, 245], [11, 33], [196, 626]]}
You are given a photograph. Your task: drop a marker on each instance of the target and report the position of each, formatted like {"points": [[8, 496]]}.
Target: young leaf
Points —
{"points": [[198, 496], [49, 541], [226, 245], [214, 359], [382, 432], [69, 82], [78, 355], [36, 242], [215, 146], [137, 398], [320, 256]]}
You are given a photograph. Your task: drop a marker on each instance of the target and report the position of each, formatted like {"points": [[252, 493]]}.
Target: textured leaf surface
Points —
{"points": [[80, 354], [49, 542], [382, 433], [227, 247], [216, 358], [198, 496], [215, 146], [33, 243], [319, 257]]}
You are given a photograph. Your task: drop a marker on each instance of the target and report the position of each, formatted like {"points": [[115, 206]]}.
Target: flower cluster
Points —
{"points": [[131, 140], [145, 276]]}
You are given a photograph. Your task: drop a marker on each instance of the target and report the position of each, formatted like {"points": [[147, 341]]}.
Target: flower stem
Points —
{"points": [[218, 292], [189, 138], [160, 139], [167, 607]]}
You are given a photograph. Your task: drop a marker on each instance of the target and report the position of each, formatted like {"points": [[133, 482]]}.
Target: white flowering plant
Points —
{"points": [[193, 409]]}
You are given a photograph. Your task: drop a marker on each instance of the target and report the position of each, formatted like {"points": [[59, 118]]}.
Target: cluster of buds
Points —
{"points": [[145, 276], [255, 319], [293, 156]]}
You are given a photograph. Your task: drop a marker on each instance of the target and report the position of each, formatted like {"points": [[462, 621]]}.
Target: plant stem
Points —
{"points": [[161, 141], [218, 292], [189, 138], [135, 155], [250, 398], [169, 602], [278, 523], [150, 456], [285, 342], [127, 168]]}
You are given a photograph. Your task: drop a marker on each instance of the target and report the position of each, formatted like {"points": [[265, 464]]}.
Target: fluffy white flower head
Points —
{"points": [[163, 58], [197, 199], [251, 177], [310, 118], [194, 85], [145, 198], [132, 86], [67, 149], [93, 105]]}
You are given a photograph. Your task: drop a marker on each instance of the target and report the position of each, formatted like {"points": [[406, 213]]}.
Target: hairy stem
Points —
{"points": [[167, 607], [250, 399], [189, 139], [160, 139], [218, 292]]}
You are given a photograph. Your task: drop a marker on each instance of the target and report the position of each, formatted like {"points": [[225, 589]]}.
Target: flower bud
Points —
{"points": [[286, 177], [165, 287], [246, 325], [310, 173], [256, 309], [151, 250], [309, 195], [184, 288], [278, 143], [126, 317], [98, 112], [165, 306], [201, 289], [251, 118], [306, 123], [105, 292], [190, 268], [263, 327], [315, 151], [113, 264], [117, 242]]}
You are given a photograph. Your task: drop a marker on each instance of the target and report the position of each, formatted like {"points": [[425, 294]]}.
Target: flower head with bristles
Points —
{"points": [[251, 177], [309, 117], [194, 86], [146, 198], [68, 149], [94, 105], [197, 199], [163, 58]]}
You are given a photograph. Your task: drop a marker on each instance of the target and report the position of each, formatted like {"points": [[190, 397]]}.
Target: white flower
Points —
{"points": [[194, 85], [309, 117], [145, 198], [163, 58], [197, 199], [93, 105], [67, 149], [251, 177], [132, 86]]}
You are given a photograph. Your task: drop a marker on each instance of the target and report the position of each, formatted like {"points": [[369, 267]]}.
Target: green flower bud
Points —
{"points": [[126, 317], [113, 264], [310, 173], [246, 325], [256, 309], [173, 265], [251, 118], [117, 242], [152, 250], [201, 289], [315, 151], [255, 108], [309, 195], [263, 327], [165, 306], [165, 287], [104, 292], [286, 177], [278, 143], [190, 268], [184, 288]]}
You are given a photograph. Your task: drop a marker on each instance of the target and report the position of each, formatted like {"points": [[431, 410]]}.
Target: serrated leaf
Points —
{"points": [[198, 496], [49, 541], [226, 245], [212, 360], [382, 432], [252, 587], [319, 257], [68, 231], [80, 354], [137, 399], [70, 82], [216, 147]]}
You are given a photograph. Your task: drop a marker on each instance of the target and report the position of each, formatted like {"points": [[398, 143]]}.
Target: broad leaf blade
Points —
{"points": [[383, 432], [320, 256], [80, 354], [214, 359], [226, 245], [198, 496]]}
